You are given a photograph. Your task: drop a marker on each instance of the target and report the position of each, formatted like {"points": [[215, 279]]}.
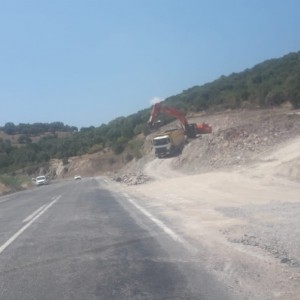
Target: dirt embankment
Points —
{"points": [[235, 194]]}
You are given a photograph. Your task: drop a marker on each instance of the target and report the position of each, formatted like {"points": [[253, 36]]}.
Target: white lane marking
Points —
{"points": [[17, 234], [33, 214], [5, 200], [166, 229]]}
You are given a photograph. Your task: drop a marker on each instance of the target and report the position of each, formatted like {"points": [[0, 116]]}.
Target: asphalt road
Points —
{"points": [[82, 240]]}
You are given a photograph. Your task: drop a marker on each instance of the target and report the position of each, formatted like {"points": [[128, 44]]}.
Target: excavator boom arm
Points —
{"points": [[191, 130], [157, 109]]}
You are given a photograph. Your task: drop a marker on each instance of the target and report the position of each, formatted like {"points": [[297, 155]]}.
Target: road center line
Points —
{"points": [[166, 229], [33, 214], [17, 234]]}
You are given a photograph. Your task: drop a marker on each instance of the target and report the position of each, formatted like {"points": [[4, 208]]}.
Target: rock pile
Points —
{"points": [[132, 178]]}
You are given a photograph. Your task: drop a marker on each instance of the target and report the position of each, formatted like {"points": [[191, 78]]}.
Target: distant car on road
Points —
{"points": [[41, 180], [77, 177]]}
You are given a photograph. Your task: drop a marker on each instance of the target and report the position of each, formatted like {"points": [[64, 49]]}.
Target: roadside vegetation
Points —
{"points": [[15, 182], [268, 84]]}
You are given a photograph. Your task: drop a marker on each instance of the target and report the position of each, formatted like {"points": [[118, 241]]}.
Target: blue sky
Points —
{"points": [[86, 62]]}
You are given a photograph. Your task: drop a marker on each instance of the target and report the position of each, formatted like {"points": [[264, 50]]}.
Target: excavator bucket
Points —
{"points": [[155, 125], [191, 130]]}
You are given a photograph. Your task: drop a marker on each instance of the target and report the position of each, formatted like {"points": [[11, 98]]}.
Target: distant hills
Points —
{"points": [[267, 84]]}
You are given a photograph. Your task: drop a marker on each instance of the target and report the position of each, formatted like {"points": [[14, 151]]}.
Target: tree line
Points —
{"points": [[36, 128], [267, 84], [115, 135]]}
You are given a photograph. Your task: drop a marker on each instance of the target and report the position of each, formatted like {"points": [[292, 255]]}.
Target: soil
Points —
{"points": [[235, 196]]}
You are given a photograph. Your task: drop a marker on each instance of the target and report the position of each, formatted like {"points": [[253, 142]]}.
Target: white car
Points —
{"points": [[77, 177], [41, 180]]}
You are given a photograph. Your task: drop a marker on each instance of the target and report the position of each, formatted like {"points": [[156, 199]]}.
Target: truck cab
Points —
{"points": [[169, 143], [162, 145]]}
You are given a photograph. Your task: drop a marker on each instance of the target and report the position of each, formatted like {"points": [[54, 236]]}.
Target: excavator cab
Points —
{"points": [[190, 130], [193, 129]]}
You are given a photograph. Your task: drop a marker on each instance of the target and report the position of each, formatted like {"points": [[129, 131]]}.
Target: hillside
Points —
{"points": [[268, 84], [239, 137]]}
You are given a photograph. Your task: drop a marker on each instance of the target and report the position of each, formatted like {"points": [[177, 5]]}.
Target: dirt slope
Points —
{"points": [[235, 194]]}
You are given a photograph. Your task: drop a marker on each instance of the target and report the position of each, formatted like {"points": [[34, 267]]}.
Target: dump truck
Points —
{"points": [[169, 143]]}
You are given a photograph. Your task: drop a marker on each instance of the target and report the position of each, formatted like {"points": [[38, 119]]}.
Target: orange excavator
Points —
{"points": [[191, 130]]}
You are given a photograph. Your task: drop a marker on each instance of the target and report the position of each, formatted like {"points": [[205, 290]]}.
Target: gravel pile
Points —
{"points": [[132, 178]]}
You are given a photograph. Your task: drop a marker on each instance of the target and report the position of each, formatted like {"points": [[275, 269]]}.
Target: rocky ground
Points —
{"points": [[235, 194]]}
